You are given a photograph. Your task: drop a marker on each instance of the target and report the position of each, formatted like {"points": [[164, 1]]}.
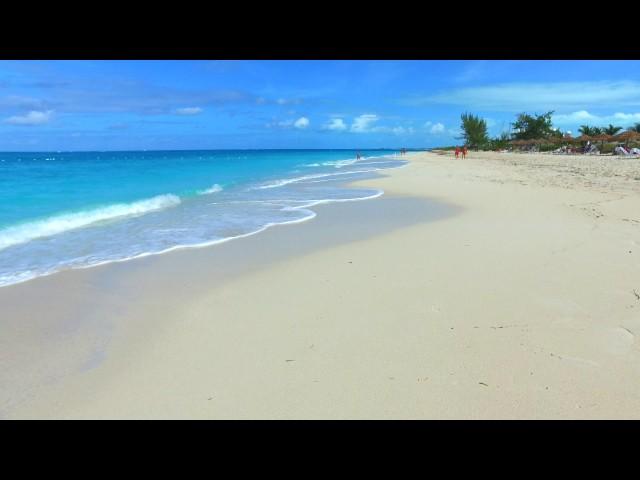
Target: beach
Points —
{"points": [[502, 286]]}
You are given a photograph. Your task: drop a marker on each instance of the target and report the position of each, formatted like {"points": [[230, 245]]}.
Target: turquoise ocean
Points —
{"points": [[80, 209]]}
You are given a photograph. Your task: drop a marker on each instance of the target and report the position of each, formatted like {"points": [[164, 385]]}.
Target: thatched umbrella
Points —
{"points": [[584, 138], [603, 137], [626, 136]]}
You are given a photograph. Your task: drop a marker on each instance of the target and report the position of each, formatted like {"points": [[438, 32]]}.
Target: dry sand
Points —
{"points": [[516, 294]]}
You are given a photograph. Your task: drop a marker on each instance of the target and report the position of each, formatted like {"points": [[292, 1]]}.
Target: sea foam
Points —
{"points": [[61, 223], [215, 188]]}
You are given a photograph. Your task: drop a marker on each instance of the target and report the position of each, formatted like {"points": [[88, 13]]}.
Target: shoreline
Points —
{"points": [[483, 288], [78, 304], [28, 275]]}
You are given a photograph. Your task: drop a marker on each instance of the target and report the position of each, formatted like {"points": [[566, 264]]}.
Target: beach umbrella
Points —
{"points": [[626, 136], [603, 137], [584, 138]]}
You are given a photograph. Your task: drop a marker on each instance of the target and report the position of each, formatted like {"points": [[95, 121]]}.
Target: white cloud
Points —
{"points": [[538, 96], [336, 124], [436, 128], [189, 111], [584, 117], [401, 130], [626, 117], [34, 117], [364, 122], [301, 123]]}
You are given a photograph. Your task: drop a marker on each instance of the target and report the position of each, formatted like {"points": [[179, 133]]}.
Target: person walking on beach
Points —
{"points": [[457, 152], [464, 152]]}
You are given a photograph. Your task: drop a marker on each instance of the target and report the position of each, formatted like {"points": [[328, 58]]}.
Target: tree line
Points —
{"points": [[525, 127]]}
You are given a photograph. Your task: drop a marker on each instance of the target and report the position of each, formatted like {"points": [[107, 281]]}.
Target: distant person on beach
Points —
{"points": [[357, 155], [457, 152], [464, 152]]}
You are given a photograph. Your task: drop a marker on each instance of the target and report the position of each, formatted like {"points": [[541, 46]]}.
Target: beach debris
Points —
{"points": [[289, 360], [482, 383], [636, 294]]}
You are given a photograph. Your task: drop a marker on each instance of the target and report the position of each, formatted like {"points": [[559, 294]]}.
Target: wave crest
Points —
{"points": [[61, 223]]}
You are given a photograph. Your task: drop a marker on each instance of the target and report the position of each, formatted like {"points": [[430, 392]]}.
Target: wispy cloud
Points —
{"points": [[34, 117], [471, 71], [189, 111], [288, 101], [19, 101], [537, 96], [301, 123], [367, 123]]}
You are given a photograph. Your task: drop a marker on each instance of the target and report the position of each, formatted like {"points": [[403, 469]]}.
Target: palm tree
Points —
{"points": [[635, 128], [585, 130], [611, 130], [590, 131]]}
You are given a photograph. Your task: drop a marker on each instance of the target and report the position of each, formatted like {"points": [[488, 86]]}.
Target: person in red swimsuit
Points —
{"points": [[457, 152], [464, 152]]}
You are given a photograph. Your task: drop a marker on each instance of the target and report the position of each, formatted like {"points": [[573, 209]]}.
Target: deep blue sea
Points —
{"points": [[76, 210]]}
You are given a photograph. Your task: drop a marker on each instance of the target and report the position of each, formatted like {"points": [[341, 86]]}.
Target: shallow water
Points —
{"points": [[77, 210]]}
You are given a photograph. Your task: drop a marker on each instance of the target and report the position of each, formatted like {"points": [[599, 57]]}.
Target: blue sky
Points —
{"points": [[133, 105]]}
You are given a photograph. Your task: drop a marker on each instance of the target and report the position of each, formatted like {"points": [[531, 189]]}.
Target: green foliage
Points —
{"points": [[593, 131], [528, 127], [474, 131], [611, 130], [590, 131], [498, 143], [635, 128]]}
